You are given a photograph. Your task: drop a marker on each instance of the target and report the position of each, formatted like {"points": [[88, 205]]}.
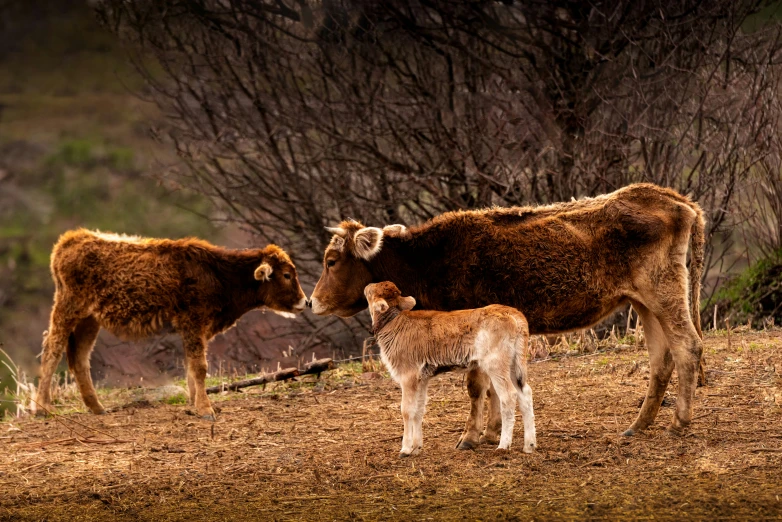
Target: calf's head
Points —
{"points": [[385, 295], [279, 282], [340, 289]]}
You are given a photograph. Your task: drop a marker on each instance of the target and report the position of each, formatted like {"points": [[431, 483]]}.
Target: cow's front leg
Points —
{"points": [[494, 422], [195, 353], [477, 383]]}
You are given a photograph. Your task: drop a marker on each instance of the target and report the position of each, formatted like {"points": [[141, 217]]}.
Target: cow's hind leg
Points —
{"points": [[661, 367], [477, 384], [80, 344], [55, 341], [686, 349], [195, 353], [494, 417]]}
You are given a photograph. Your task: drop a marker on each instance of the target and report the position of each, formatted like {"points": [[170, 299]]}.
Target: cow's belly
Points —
{"points": [[568, 316]]}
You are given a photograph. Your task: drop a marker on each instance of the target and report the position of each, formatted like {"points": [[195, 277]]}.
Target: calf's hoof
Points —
{"points": [[629, 432], [529, 448], [409, 453], [98, 410], [43, 411], [673, 431], [209, 417]]}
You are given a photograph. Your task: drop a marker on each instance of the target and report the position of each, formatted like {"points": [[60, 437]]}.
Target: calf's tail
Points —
{"points": [[520, 350]]}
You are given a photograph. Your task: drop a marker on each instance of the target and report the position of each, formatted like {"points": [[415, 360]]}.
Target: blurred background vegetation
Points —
{"points": [[75, 151]]}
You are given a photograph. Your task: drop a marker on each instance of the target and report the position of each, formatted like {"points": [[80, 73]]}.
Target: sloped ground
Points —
{"points": [[328, 450]]}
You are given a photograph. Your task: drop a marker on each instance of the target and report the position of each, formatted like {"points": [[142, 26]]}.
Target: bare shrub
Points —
{"points": [[294, 115]]}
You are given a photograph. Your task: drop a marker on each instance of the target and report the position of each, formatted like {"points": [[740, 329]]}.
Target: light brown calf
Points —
{"points": [[417, 345]]}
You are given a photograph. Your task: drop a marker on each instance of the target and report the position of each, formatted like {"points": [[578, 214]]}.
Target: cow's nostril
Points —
{"points": [[309, 303]]}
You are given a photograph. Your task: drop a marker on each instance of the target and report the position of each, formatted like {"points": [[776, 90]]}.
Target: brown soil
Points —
{"points": [[329, 450]]}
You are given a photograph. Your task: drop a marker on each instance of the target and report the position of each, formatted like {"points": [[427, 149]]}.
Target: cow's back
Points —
{"points": [[564, 266]]}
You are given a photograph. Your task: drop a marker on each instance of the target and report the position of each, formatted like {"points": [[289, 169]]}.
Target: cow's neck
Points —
{"points": [[401, 262], [237, 278]]}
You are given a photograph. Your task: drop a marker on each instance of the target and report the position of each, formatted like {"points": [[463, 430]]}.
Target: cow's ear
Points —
{"points": [[367, 242], [263, 272], [407, 303], [379, 306]]}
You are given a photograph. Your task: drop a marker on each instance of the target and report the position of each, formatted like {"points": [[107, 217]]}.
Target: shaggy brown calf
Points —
{"points": [[415, 346], [566, 266], [135, 287]]}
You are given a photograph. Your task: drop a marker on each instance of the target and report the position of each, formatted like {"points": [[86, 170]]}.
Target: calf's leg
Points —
{"points": [[55, 341], [412, 438], [191, 387], [195, 353], [506, 393], [528, 417], [80, 345]]}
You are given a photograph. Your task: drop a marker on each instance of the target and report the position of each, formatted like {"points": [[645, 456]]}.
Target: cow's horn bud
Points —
{"points": [[341, 232]]}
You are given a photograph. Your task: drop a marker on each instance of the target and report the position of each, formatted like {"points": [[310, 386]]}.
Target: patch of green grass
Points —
{"points": [[176, 399]]}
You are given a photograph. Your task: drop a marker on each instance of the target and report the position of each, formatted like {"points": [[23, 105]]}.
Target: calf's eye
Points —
{"points": [[330, 262], [287, 276]]}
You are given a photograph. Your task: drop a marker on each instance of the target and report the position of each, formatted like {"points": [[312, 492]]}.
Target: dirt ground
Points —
{"points": [[328, 450]]}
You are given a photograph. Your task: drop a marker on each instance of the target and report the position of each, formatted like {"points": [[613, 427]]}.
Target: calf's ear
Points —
{"points": [[380, 306], [263, 272], [367, 242], [407, 303]]}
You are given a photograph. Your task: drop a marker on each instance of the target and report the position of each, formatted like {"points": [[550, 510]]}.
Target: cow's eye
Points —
{"points": [[286, 275], [330, 262]]}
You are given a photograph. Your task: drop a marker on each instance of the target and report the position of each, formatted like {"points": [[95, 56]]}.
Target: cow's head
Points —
{"points": [[385, 295], [279, 282], [340, 289]]}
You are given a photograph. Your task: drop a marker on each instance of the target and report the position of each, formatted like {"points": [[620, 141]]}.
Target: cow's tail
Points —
{"points": [[697, 246]]}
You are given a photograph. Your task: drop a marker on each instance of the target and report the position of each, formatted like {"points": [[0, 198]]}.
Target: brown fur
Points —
{"points": [[136, 287], [415, 345], [567, 266]]}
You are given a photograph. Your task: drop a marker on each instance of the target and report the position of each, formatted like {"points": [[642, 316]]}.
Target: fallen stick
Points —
{"points": [[280, 375], [318, 366]]}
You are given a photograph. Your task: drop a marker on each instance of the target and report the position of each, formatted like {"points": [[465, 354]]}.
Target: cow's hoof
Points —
{"points": [[489, 439], [629, 432], [466, 444], [208, 417], [529, 448]]}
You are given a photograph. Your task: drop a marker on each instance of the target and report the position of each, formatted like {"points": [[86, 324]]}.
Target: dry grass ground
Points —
{"points": [[328, 450]]}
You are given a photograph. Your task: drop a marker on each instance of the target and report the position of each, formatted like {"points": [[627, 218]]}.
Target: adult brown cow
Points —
{"points": [[135, 287], [566, 266]]}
